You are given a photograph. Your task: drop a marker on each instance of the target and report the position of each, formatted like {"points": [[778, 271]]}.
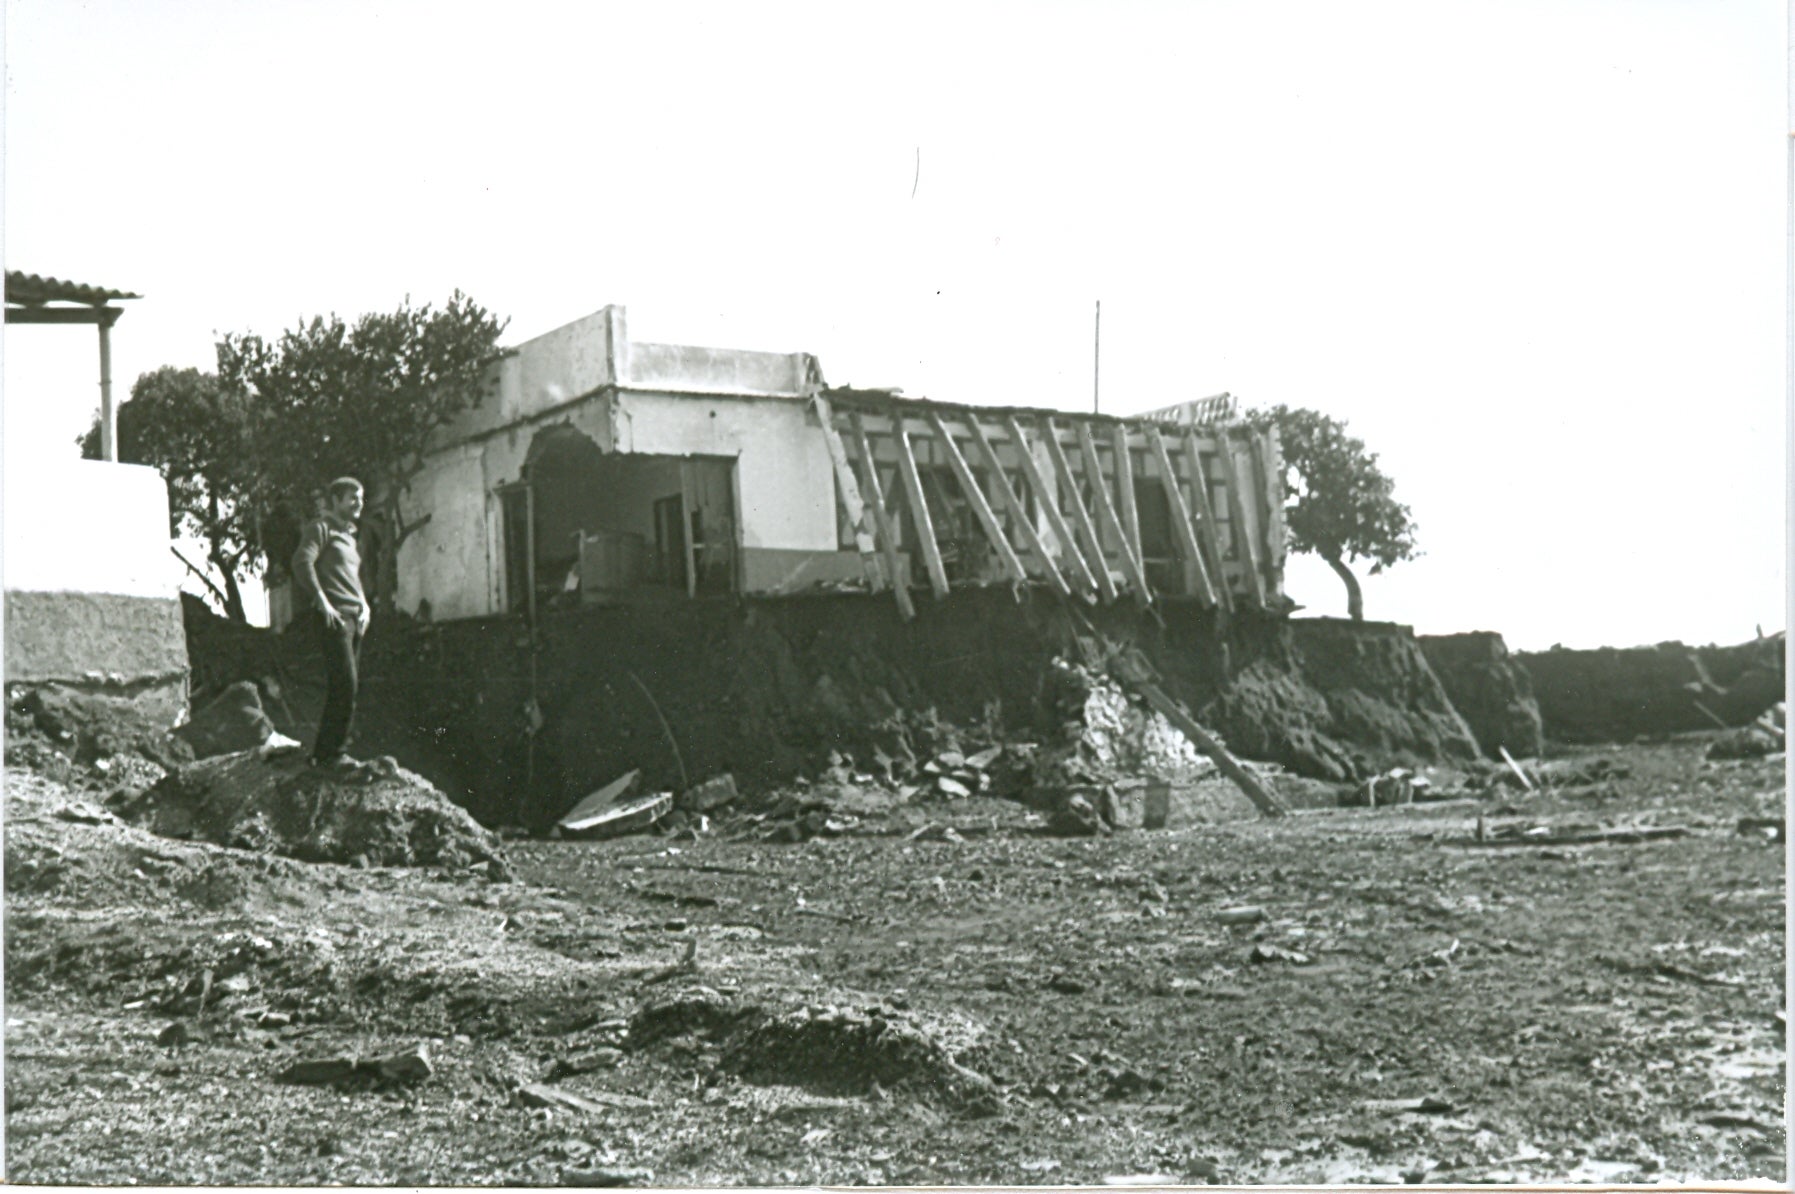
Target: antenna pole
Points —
{"points": [[1096, 355]]}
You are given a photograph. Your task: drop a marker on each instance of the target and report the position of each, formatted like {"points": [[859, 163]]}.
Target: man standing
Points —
{"points": [[327, 573]]}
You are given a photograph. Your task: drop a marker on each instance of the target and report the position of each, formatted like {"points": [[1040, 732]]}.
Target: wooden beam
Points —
{"points": [[1087, 530], [1269, 462], [1181, 523], [1047, 495], [1245, 546], [900, 585], [1131, 518], [920, 520], [849, 491], [1131, 559], [104, 316], [1017, 509], [976, 498], [1199, 485]]}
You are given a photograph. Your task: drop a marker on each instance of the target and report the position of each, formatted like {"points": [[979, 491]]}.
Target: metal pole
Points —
{"points": [[1096, 354], [108, 417]]}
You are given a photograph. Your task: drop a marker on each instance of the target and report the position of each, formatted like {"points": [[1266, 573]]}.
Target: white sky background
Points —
{"points": [[1533, 253]]}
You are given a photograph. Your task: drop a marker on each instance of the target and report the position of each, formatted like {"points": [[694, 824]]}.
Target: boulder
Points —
{"points": [[229, 722]]}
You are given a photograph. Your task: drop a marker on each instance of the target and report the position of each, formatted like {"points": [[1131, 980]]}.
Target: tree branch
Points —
{"points": [[203, 578]]}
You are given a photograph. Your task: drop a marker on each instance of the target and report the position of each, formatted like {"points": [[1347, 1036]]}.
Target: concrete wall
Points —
{"points": [[92, 590], [689, 370]]}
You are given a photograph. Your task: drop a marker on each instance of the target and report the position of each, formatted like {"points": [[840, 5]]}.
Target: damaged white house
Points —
{"points": [[603, 470]]}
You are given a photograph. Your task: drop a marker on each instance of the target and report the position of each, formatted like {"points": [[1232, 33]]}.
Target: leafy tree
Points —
{"points": [[197, 436], [334, 399], [1341, 505]]}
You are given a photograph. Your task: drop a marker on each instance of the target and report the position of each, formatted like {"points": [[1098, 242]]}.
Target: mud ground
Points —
{"points": [[878, 1007]]}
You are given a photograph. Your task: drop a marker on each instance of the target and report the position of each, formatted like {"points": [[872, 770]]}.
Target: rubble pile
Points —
{"points": [[377, 816]]}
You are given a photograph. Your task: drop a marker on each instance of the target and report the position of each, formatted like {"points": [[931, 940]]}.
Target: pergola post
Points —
{"points": [[108, 413]]}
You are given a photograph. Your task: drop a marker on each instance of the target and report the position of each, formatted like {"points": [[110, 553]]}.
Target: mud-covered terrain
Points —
{"points": [[1353, 994]]}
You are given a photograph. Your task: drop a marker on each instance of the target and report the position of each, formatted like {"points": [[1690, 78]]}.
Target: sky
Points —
{"points": [[1532, 253]]}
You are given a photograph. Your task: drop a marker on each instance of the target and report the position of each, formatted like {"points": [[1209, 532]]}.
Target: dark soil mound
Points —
{"points": [[1340, 700], [242, 801], [1489, 688], [87, 727], [1619, 694]]}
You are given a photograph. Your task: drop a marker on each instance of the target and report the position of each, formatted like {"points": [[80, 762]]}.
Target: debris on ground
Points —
{"points": [[382, 815], [402, 1068]]}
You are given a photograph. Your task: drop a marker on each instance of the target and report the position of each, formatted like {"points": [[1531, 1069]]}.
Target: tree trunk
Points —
{"points": [[233, 596], [1355, 600]]}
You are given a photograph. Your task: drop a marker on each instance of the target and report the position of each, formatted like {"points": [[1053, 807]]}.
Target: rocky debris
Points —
{"points": [[230, 722], [831, 1048], [1398, 785], [1490, 689], [606, 1177], [45, 720], [403, 1068], [712, 793], [1752, 742], [315, 815]]}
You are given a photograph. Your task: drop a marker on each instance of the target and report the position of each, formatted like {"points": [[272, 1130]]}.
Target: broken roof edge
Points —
{"points": [[881, 400]]}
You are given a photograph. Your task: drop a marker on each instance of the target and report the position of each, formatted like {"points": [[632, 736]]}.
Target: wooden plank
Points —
{"points": [[1244, 545], [900, 586], [1187, 533], [1017, 509], [1087, 530], [849, 491], [1271, 469], [1199, 485], [920, 518], [1131, 517], [1047, 495], [1271, 505], [1131, 559], [1206, 742], [976, 498]]}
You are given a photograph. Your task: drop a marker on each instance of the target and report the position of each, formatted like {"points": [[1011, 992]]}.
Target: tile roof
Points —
{"points": [[32, 289]]}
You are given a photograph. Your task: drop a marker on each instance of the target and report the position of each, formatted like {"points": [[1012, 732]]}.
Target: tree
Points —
{"points": [[1341, 505], [331, 399], [196, 435]]}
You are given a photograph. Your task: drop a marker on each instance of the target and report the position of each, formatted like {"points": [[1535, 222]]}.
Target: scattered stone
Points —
{"points": [[176, 1033], [584, 1063], [948, 786], [1242, 914], [1076, 817], [1065, 984], [607, 1177], [1277, 953], [404, 1067], [712, 793]]}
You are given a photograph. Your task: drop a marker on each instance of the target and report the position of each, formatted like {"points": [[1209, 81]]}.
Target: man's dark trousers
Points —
{"points": [[341, 646]]}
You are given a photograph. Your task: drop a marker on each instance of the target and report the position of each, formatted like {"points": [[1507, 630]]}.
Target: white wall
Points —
{"points": [[87, 526]]}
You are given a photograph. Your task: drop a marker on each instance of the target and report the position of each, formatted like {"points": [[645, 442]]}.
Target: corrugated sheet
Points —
{"points": [[32, 289]]}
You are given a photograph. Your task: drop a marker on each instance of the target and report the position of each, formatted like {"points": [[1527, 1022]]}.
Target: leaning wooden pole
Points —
{"points": [[900, 583], [1203, 740]]}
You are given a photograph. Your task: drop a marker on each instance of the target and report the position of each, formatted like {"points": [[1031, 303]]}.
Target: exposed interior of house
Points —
{"points": [[587, 526]]}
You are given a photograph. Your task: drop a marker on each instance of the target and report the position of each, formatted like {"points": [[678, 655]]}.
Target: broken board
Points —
{"points": [[625, 817], [600, 801]]}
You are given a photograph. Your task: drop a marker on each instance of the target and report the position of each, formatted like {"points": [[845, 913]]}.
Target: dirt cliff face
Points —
{"points": [[1489, 688], [1618, 694], [766, 689]]}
